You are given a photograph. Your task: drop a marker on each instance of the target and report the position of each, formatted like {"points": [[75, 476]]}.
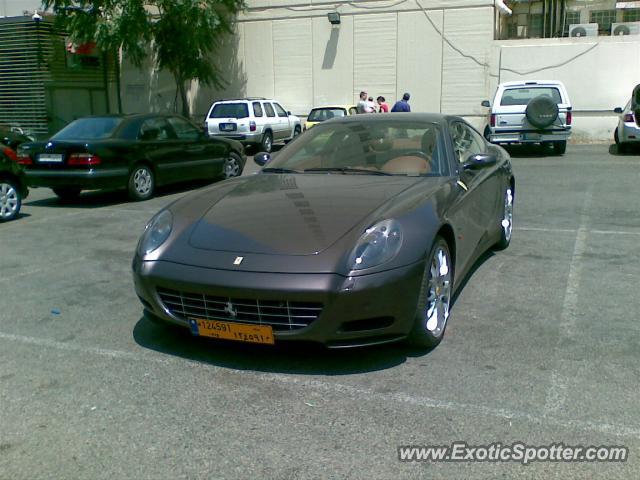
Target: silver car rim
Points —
{"points": [[8, 200], [142, 181], [231, 167], [507, 219], [267, 143], [439, 293]]}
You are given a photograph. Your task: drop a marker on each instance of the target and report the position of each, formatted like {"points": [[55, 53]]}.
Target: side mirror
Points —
{"points": [[289, 112], [618, 110], [481, 160], [485, 103], [262, 158]]}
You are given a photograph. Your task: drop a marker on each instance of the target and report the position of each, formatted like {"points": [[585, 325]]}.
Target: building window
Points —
{"points": [[631, 15], [535, 25], [571, 18], [604, 19]]}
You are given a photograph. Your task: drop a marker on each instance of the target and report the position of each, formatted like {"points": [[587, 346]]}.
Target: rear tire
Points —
{"points": [[232, 166], [506, 221], [67, 194], [267, 142], [622, 147], [436, 290], [560, 147], [10, 200], [141, 184]]}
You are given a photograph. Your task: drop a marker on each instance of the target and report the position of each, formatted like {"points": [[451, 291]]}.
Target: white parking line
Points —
{"points": [[574, 230], [359, 393], [556, 394]]}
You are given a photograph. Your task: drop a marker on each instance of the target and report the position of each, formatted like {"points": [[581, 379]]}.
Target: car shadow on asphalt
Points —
{"points": [[109, 198], [631, 152], [528, 151], [291, 357]]}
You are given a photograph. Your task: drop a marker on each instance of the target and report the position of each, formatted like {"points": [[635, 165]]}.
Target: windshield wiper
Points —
{"points": [[346, 170], [279, 170]]}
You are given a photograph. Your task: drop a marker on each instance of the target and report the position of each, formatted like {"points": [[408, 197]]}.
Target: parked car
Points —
{"points": [[537, 111], [13, 136], [13, 189], [320, 114], [627, 133], [256, 122], [137, 152], [357, 233]]}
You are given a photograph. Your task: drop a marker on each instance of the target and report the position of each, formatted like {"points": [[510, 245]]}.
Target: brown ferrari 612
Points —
{"points": [[356, 233]]}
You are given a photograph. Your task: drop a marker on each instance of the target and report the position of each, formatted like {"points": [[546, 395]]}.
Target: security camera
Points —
{"points": [[36, 16]]}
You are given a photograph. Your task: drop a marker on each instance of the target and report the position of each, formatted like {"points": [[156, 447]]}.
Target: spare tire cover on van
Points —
{"points": [[541, 111]]}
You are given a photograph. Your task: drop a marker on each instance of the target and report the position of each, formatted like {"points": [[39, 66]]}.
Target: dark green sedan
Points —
{"points": [[137, 152]]}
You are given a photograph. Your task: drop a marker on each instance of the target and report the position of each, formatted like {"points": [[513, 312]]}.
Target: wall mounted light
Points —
{"points": [[334, 18]]}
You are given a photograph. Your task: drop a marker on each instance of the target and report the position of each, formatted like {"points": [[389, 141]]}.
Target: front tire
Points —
{"points": [[436, 290], [10, 200], [141, 184], [506, 223]]}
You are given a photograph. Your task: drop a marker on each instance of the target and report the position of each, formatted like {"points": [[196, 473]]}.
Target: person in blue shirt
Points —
{"points": [[402, 105]]}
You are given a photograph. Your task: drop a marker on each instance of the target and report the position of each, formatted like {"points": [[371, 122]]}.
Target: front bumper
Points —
{"points": [[356, 311], [86, 179], [532, 136]]}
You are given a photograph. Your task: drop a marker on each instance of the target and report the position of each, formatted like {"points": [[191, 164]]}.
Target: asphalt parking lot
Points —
{"points": [[543, 346]]}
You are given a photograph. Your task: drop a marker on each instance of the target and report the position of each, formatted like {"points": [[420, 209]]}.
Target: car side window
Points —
{"points": [[183, 129], [269, 109], [257, 109], [155, 129], [466, 141], [280, 110]]}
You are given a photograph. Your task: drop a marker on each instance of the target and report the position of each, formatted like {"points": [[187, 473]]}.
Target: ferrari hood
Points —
{"points": [[279, 214]]}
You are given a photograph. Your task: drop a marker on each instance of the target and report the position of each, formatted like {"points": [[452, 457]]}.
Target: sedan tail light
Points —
{"points": [[493, 119], [10, 153], [628, 117], [83, 159], [252, 126], [569, 117]]}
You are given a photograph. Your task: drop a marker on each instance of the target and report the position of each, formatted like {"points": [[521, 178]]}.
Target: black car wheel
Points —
{"points": [[10, 200], [622, 147], [560, 147], [232, 166], [67, 194], [267, 142], [434, 301], [506, 222], [141, 183]]}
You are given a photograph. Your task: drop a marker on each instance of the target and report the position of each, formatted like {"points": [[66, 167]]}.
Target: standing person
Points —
{"points": [[362, 104], [382, 104], [402, 105]]}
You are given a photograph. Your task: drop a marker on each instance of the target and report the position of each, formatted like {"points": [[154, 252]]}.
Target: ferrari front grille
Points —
{"points": [[282, 315]]}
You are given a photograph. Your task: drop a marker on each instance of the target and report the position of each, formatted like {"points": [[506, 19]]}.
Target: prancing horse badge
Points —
{"points": [[238, 260]]}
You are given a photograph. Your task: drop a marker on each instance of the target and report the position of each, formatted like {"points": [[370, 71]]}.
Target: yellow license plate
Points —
{"points": [[232, 331]]}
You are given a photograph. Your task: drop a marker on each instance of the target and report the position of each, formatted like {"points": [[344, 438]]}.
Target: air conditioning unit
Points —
{"points": [[627, 28], [583, 30]]}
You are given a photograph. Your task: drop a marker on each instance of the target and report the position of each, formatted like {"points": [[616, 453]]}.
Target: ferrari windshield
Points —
{"points": [[375, 148]]}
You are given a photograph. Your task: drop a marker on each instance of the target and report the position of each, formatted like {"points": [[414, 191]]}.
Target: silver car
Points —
{"points": [[627, 133]]}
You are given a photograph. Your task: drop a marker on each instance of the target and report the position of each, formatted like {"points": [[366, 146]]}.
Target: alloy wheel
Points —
{"points": [[438, 293], [231, 167], [9, 201], [507, 219], [142, 181]]}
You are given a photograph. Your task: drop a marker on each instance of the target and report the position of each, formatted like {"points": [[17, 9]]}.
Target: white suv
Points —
{"points": [[257, 122], [537, 111]]}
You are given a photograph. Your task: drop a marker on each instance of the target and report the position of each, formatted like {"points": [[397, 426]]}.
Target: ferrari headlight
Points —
{"points": [[378, 244], [156, 232]]}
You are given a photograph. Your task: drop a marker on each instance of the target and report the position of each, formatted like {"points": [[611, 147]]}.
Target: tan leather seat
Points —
{"points": [[411, 165]]}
